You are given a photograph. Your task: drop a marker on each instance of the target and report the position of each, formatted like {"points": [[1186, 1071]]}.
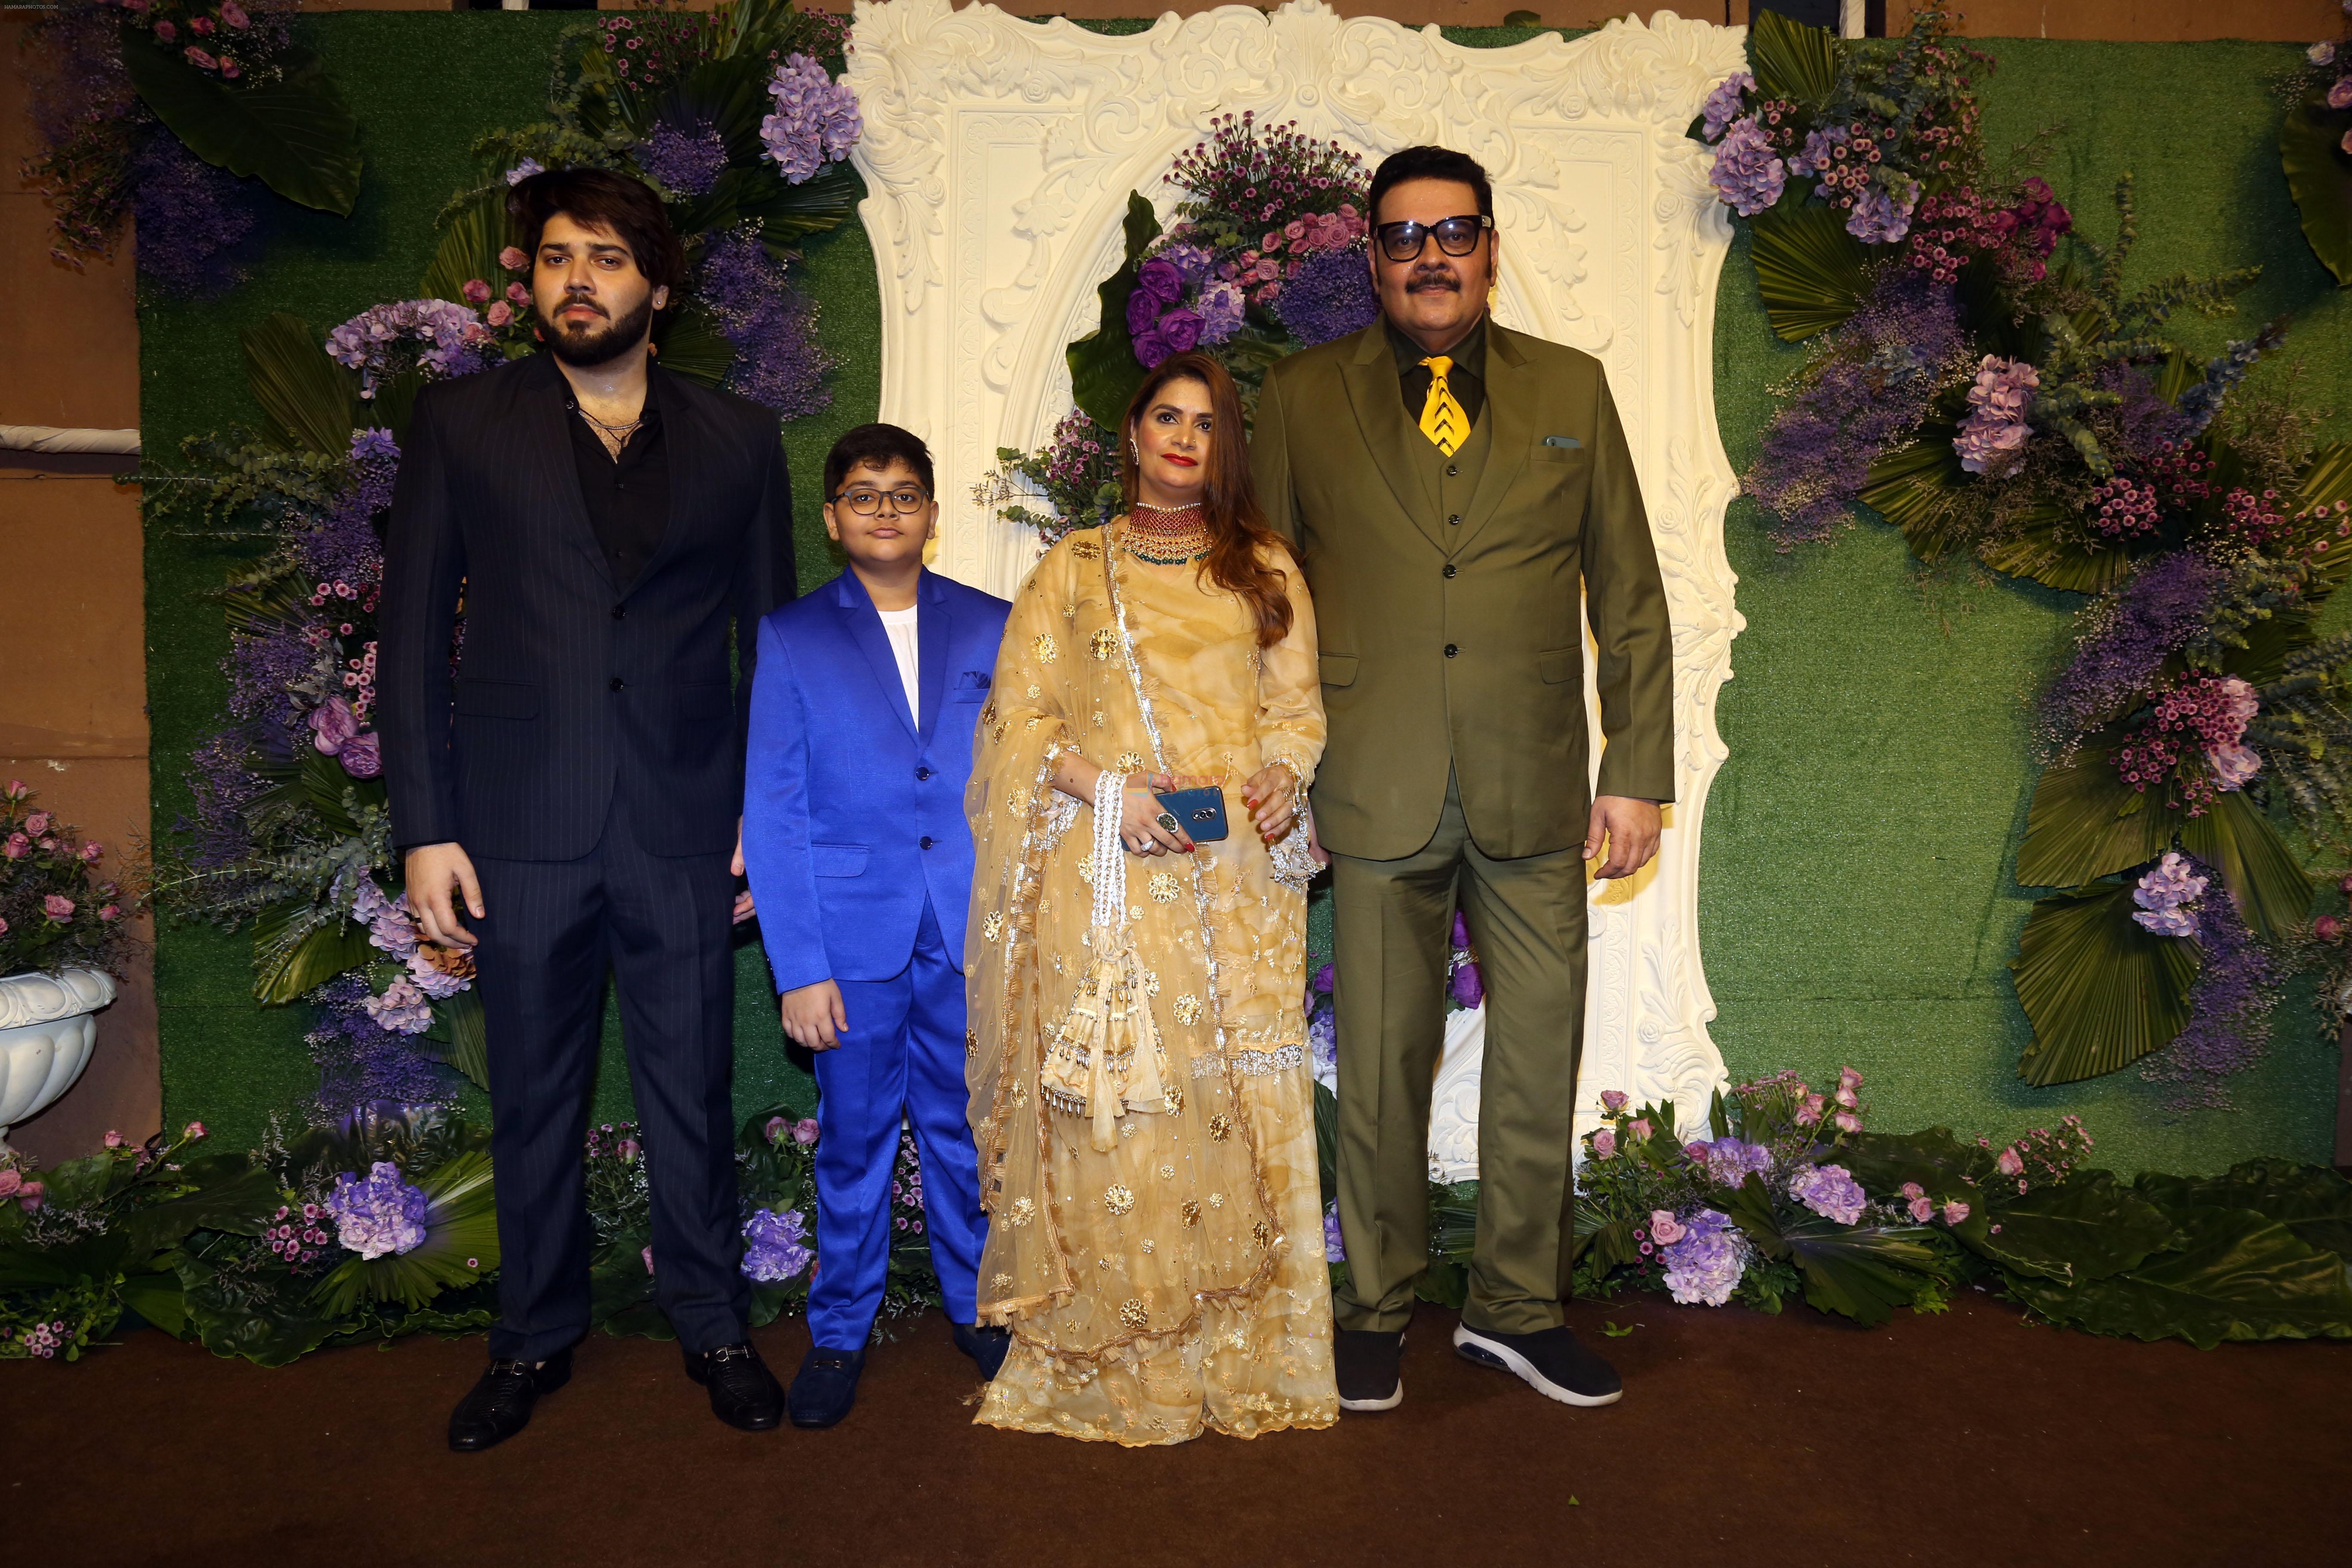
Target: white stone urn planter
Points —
{"points": [[47, 1024]]}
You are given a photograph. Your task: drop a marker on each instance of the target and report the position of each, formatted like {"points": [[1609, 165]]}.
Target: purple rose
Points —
{"points": [[361, 756], [2340, 95], [1322, 981], [1469, 986], [1150, 348], [1612, 1101], [1142, 309], [1160, 278], [332, 726], [1180, 330], [1461, 930]]}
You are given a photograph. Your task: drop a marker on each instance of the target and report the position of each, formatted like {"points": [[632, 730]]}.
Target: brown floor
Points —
{"points": [[1746, 1440]]}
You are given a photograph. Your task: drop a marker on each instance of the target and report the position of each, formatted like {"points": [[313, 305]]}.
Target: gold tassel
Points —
{"points": [[1107, 1059]]}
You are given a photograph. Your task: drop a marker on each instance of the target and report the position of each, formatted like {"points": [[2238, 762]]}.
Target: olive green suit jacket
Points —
{"points": [[1458, 645]]}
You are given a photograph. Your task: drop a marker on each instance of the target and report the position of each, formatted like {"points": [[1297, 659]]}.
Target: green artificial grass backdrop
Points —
{"points": [[1855, 899]]}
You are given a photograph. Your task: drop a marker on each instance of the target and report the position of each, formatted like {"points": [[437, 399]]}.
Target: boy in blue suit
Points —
{"points": [[863, 707]]}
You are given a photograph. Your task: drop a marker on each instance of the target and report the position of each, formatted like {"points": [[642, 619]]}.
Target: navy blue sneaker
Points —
{"points": [[826, 1386], [986, 1345]]}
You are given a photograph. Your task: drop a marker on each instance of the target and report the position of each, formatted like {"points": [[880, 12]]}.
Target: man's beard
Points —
{"points": [[594, 348]]}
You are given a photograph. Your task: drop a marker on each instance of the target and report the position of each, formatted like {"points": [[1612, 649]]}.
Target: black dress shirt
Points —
{"points": [[627, 497], [1467, 379]]}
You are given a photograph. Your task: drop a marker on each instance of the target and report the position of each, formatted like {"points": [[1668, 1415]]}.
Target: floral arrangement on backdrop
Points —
{"points": [[2023, 411], [55, 909], [191, 116], [1267, 255], [379, 1225], [744, 133], [2316, 148]]}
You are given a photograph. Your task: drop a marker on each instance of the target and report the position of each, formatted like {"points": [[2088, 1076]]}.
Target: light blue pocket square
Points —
{"points": [[1568, 441]]}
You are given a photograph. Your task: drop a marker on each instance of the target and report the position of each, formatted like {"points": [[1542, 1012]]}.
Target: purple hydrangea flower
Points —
{"points": [[1722, 105], [1994, 431], [1220, 309], [1830, 1191], [1818, 151], [2164, 895], [815, 121], [1729, 1161], [775, 1246], [1335, 1250], [436, 983], [683, 162], [403, 1008], [1748, 175], [1704, 1267], [442, 337], [1323, 1039], [524, 171], [1880, 216], [382, 1215], [1191, 262], [1329, 296]]}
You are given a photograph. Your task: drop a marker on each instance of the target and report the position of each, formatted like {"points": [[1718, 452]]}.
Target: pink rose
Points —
{"points": [[92, 852], [501, 313], [113, 1140], [1664, 1228], [198, 58], [1695, 1151], [2009, 1163], [1810, 1111], [2327, 928], [1638, 1130], [165, 31], [1847, 1121], [18, 847], [4, 927], [628, 1149], [1612, 1101], [9, 1182], [1912, 1189], [513, 259], [193, 1130], [1604, 1144], [1955, 1211], [57, 907], [804, 1132], [776, 1128], [2340, 95], [107, 912], [230, 68], [38, 824], [518, 296], [2233, 765], [29, 1196], [332, 726], [1845, 1097], [475, 290], [1849, 1078], [234, 14], [200, 25], [1922, 1210], [648, 1255]]}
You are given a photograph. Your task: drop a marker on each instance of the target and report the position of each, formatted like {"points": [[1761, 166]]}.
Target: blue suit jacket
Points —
{"points": [[853, 808]]}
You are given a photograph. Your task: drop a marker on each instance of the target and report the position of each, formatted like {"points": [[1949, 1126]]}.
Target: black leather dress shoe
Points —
{"points": [[826, 1386], [1550, 1362], [986, 1345], [499, 1406], [743, 1393], [1366, 1362]]}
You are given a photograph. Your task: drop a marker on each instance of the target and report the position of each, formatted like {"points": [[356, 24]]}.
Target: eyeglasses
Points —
{"points": [[865, 503], [1455, 236]]}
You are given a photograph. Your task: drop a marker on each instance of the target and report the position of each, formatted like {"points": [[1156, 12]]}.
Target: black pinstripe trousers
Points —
{"points": [[660, 924]]}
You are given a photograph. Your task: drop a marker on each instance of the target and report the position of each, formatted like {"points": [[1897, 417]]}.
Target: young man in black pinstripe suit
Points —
{"points": [[575, 780]]}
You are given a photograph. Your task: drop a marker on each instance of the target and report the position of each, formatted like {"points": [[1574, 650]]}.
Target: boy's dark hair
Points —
{"points": [[877, 446], [1432, 164], [605, 200]]}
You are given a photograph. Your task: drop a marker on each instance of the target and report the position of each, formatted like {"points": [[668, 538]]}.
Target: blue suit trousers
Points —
{"points": [[902, 1054]]}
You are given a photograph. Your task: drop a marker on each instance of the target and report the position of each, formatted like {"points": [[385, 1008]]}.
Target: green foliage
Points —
{"points": [[1863, 1272], [2079, 1230], [2311, 1201], [2236, 1275], [461, 1242], [2100, 990], [2320, 178], [458, 1025], [1103, 373], [294, 133], [1792, 61], [1810, 271], [307, 401]]}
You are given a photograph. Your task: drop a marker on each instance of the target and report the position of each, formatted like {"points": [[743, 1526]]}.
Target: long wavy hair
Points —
{"points": [[1241, 545]]}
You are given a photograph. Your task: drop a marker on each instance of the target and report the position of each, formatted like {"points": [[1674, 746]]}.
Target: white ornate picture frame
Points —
{"points": [[999, 154]]}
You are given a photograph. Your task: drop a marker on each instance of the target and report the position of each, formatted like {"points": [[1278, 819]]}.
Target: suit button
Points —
{"points": [[1453, 471], [922, 772], [1449, 569], [927, 841], [620, 612], [617, 681], [1450, 650], [1456, 519]]}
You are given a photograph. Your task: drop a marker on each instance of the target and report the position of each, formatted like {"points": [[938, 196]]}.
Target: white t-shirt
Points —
{"points": [[899, 626]]}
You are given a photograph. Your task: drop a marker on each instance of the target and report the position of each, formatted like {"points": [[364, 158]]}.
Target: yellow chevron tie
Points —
{"points": [[1441, 419]]}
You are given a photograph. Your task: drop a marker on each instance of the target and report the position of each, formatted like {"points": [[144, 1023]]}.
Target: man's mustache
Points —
{"points": [[573, 300], [1421, 281]]}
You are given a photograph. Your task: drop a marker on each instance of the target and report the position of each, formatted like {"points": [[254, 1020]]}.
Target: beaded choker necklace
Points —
{"points": [[1167, 535]]}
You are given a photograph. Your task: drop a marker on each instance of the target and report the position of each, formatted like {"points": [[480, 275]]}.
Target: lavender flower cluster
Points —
{"points": [[815, 120], [771, 324], [685, 161], [383, 1215], [201, 223], [2127, 638], [2238, 983], [360, 1062]]}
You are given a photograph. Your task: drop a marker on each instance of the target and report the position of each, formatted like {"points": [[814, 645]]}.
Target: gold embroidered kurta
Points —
{"points": [[1176, 1278]]}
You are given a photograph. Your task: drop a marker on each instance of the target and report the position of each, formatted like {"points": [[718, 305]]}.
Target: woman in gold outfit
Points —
{"points": [[1140, 1095]]}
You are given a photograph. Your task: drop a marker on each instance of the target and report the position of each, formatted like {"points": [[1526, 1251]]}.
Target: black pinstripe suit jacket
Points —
{"points": [[567, 692]]}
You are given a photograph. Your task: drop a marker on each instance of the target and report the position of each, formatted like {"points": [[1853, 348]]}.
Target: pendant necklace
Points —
{"points": [[1167, 535], [617, 434]]}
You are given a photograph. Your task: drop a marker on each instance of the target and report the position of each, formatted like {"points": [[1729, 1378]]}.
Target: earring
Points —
{"points": [[1134, 451]]}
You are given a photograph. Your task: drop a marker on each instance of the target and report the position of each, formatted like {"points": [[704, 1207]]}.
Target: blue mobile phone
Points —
{"points": [[1199, 811]]}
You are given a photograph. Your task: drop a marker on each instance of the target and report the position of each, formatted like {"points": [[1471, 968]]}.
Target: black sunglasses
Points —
{"points": [[1455, 236]]}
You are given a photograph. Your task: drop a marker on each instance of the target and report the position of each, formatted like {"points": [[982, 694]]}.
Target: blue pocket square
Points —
{"points": [[1563, 441], [972, 679]]}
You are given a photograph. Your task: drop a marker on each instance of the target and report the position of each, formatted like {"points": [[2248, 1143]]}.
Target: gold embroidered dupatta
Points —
{"points": [[1118, 1264]]}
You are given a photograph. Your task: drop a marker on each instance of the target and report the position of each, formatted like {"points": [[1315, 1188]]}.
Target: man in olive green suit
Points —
{"points": [[1450, 487]]}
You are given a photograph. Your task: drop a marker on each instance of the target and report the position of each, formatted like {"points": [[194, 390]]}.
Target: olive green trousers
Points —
{"points": [[1394, 923]]}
